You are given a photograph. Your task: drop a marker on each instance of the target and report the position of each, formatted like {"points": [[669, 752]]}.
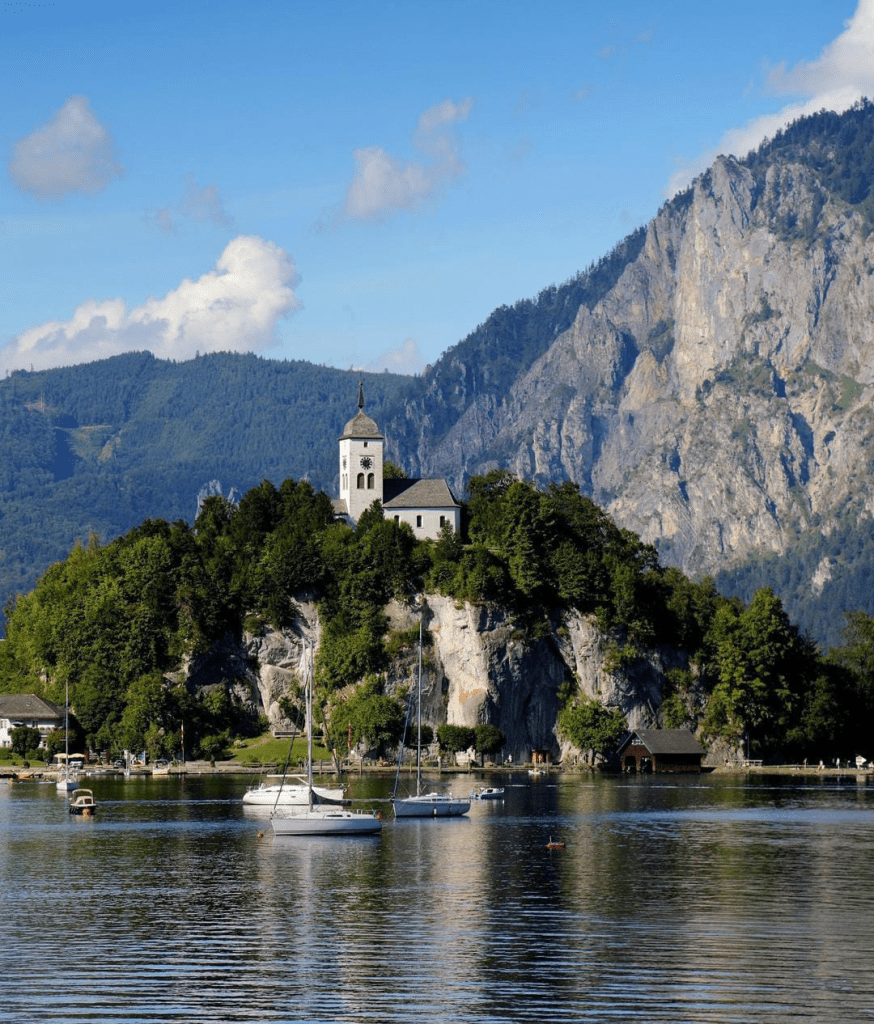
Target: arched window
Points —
{"points": [[360, 481], [370, 481]]}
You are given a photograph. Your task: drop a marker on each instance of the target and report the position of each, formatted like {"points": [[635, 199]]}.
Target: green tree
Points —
{"points": [[453, 738], [488, 739], [589, 725], [369, 714], [23, 739]]}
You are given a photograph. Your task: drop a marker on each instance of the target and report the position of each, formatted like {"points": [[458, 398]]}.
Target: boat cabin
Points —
{"points": [[661, 750]]}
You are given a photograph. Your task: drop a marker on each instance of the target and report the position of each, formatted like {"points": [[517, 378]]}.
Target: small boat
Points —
{"points": [[82, 802], [554, 846], [488, 793], [310, 819], [426, 805]]}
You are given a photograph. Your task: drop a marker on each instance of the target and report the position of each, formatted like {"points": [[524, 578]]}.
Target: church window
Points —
{"points": [[370, 481], [360, 481], [398, 520], [419, 522]]}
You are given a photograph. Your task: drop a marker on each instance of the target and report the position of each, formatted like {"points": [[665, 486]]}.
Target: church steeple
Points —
{"points": [[361, 461]]}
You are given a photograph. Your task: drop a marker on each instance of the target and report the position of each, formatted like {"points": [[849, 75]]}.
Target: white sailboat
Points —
{"points": [[68, 778], [312, 819], [426, 805]]}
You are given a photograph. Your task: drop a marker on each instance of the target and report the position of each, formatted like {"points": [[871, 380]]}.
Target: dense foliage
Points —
{"points": [[117, 622]]}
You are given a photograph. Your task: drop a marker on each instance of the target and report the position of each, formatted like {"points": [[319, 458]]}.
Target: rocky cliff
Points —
{"points": [[477, 668], [717, 400]]}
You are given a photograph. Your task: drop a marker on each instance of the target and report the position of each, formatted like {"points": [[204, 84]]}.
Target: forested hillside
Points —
{"points": [[121, 623]]}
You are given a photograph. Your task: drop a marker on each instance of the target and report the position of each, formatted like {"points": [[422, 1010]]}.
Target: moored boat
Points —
{"points": [[82, 802], [488, 793]]}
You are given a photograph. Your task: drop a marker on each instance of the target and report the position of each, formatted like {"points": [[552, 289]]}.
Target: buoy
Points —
{"points": [[260, 835]]}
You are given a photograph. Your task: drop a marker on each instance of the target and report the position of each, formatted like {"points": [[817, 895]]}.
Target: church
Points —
{"points": [[425, 505]]}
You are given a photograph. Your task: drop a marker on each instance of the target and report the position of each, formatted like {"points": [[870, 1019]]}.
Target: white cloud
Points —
{"points": [[202, 205], [72, 153], [407, 359], [841, 75], [234, 307], [384, 185]]}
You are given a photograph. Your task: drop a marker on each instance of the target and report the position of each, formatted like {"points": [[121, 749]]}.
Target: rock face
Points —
{"points": [[717, 400], [478, 669]]}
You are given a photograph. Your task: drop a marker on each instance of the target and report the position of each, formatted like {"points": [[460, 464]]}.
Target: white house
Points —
{"points": [[18, 709], [426, 505]]}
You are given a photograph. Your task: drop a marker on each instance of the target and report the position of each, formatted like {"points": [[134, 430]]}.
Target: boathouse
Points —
{"points": [[661, 750]]}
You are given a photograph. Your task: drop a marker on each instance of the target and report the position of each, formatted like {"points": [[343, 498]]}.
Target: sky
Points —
{"points": [[359, 184]]}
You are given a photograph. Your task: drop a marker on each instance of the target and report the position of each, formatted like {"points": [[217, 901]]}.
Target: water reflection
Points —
{"points": [[697, 899]]}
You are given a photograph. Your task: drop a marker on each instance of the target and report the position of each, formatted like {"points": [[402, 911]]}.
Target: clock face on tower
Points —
{"points": [[366, 462]]}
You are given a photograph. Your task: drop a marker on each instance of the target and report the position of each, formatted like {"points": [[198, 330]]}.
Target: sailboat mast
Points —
{"points": [[419, 721], [309, 720]]}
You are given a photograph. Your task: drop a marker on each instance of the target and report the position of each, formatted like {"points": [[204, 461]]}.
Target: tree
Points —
{"points": [[488, 739], [453, 738], [24, 739], [369, 714], [589, 725]]}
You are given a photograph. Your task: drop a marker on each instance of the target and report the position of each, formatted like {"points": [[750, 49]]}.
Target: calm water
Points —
{"points": [[693, 900]]}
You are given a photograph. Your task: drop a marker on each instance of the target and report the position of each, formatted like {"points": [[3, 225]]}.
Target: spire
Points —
{"points": [[361, 394]]}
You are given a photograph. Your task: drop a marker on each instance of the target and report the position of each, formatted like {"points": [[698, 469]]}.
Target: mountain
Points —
{"points": [[708, 383]]}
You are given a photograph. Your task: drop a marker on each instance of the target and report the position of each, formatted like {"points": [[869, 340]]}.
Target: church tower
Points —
{"points": [[361, 462]]}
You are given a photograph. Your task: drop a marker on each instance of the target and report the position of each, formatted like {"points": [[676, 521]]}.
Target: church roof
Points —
{"points": [[361, 425], [398, 494]]}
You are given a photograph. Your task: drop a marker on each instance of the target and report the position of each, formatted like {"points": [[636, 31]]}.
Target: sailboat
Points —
{"points": [[68, 778], [426, 805], [313, 819]]}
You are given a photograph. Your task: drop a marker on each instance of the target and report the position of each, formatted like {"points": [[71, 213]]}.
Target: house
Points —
{"points": [[18, 709], [425, 505], [661, 750]]}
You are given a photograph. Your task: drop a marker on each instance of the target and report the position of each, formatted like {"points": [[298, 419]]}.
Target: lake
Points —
{"points": [[678, 899]]}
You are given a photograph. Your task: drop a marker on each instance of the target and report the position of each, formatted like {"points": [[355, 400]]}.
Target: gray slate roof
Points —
{"points": [[27, 706], [665, 741], [398, 494]]}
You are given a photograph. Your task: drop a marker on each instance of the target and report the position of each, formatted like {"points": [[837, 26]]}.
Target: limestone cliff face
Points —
{"points": [[717, 399], [479, 669]]}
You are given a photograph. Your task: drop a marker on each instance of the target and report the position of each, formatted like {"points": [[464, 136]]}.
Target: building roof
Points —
{"points": [[398, 494], [361, 425], [340, 508], [665, 741], [28, 706]]}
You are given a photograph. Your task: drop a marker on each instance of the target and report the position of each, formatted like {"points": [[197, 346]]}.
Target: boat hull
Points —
{"points": [[430, 805], [326, 823]]}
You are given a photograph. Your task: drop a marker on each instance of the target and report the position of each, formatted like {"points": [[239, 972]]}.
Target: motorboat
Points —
{"points": [[311, 819], [488, 793], [82, 802], [426, 805]]}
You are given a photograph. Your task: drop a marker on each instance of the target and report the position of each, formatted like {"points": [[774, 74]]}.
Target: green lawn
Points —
{"points": [[268, 750]]}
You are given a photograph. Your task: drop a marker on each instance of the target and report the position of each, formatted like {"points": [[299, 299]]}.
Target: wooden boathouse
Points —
{"points": [[661, 750]]}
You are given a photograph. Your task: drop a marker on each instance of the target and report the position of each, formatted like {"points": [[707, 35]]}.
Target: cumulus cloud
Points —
{"points": [[201, 205], [384, 184], [407, 359], [72, 153], [842, 74], [234, 307]]}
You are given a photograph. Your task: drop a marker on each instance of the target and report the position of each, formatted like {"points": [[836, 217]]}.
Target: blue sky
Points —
{"points": [[360, 184]]}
